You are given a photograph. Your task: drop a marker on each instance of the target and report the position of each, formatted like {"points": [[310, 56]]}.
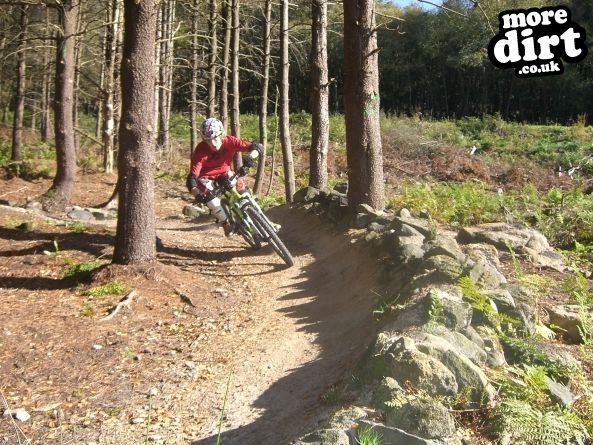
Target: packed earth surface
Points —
{"points": [[217, 337], [219, 343]]}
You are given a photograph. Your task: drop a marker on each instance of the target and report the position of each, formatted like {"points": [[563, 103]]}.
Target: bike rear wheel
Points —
{"points": [[270, 235]]}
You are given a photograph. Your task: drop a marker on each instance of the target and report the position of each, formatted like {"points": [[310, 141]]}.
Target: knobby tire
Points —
{"points": [[253, 240], [272, 236]]}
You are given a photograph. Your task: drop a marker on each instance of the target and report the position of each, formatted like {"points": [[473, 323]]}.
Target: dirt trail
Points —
{"points": [[283, 336], [314, 327]]}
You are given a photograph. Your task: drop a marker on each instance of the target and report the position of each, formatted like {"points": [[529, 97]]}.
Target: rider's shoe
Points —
{"points": [[227, 228]]}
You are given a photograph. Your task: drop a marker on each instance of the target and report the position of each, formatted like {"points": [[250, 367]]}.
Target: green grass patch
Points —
{"points": [[366, 435], [82, 269], [113, 287], [461, 204], [77, 227]]}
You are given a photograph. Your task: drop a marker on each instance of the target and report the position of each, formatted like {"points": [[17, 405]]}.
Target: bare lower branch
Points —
{"points": [[443, 8], [485, 16]]}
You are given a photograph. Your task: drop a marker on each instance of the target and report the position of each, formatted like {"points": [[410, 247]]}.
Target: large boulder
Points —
{"points": [[438, 336], [424, 372], [325, 437], [427, 418], [469, 377], [500, 235], [569, 318]]}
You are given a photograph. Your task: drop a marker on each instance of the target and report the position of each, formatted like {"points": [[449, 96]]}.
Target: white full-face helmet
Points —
{"points": [[212, 130]]}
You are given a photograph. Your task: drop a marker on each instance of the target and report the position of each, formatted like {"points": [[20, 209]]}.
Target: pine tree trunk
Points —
{"points": [[3, 26], [135, 241], [166, 74], [195, 66], [224, 81], [45, 86], [157, 57], [78, 49], [21, 75], [263, 104], [108, 134], [58, 197], [319, 96], [361, 105], [213, 55], [289, 182], [235, 122]]}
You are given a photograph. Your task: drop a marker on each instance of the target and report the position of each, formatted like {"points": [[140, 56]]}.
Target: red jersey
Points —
{"points": [[206, 162]]}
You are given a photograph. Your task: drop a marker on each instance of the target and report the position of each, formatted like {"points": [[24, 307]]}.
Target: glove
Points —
{"points": [[257, 147], [248, 162], [204, 198], [256, 150], [224, 182]]}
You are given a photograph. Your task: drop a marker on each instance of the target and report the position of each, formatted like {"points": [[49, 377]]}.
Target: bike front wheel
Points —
{"points": [[270, 235], [241, 228]]}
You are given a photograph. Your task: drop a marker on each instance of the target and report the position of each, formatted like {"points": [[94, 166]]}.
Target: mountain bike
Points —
{"points": [[246, 216]]}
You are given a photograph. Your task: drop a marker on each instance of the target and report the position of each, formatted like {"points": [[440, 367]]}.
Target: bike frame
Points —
{"points": [[237, 202]]}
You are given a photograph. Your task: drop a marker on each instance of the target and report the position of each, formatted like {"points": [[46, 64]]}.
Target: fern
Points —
{"points": [[526, 353], [517, 422]]}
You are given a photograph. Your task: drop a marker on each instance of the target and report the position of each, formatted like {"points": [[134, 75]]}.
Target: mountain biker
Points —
{"points": [[212, 158]]}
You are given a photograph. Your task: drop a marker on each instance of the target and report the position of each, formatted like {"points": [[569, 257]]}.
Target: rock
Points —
{"points": [[559, 393], [456, 314], [428, 419], [337, 211], [101, 215], [501, 234], [444, 245], [376, 227], [341, 187], [325, 437], [568, 317], [405, 213], [502, 298], [421, 225], [485, 251], [361, 220], [396, 436], [80, 215], [468, 376], [6, 202], [548, 258], [386, 391], [495, 353], [524, 311], [415, 313], [34, 205], [421, 370], [306, 194], [438, 336], [445, 268], [407, 230], [19, 414], [195, 211], [537, 242], [347, 418], [410, 253]]}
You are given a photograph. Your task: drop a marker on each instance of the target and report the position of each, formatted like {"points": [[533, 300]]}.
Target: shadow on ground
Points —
{"points": [[333, 302]]}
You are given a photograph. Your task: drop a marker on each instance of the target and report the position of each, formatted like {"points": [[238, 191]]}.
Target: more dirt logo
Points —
{"points": [[536, 41]]}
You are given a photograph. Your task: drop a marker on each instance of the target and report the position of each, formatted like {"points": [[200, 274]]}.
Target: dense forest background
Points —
{"points": [[432, 62]]}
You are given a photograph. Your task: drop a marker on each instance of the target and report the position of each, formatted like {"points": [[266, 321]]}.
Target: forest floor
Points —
{"points": [[214, 325], [215, 328]]}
